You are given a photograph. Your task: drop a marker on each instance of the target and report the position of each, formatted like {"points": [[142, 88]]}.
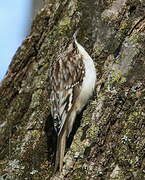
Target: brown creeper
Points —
{"points": [[72, 81]]}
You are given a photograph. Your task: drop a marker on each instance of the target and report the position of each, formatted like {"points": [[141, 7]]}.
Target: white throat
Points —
{"points": [[89, 80]]}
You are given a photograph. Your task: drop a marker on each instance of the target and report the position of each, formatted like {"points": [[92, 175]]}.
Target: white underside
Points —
{"points": [[89, 80], [88, 85]]}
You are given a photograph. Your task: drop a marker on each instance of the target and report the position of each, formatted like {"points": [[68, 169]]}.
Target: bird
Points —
{"points": [[72, 83]]}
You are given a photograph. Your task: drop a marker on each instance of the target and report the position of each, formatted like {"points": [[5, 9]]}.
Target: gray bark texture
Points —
{"points": [[108, 142]]}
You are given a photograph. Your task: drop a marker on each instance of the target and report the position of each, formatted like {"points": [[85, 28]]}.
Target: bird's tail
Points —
{"points": [[61, 144]]}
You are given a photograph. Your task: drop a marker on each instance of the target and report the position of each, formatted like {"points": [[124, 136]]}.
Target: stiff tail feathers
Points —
{"points": [[61, 144]]}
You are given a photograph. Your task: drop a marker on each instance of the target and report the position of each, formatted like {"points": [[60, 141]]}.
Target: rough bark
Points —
{"points": [[36, 6], [109, 141]]}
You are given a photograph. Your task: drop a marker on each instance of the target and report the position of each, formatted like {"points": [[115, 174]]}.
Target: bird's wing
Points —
{"points": [[66, 78]]}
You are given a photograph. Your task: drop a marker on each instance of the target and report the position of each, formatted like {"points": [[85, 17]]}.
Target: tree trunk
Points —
{"points": [[108, 138]]}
